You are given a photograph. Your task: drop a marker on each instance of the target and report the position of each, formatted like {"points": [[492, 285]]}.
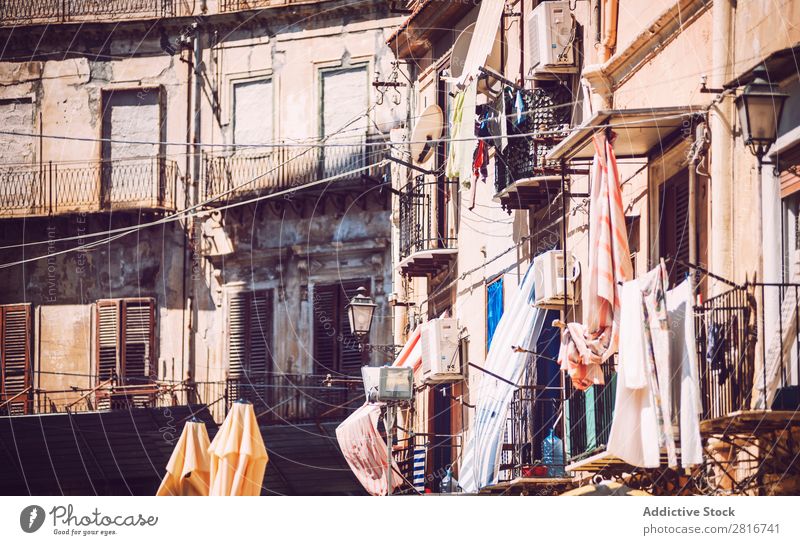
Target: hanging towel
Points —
{"points": [[581, 357], [609, 254], [451, 169]]}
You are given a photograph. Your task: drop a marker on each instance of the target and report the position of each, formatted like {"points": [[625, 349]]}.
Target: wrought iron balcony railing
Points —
{"points": [[25, 12], [545, 114], [238, 5], [295, 398], [422, 215], [243, 174], [55, 188], [734, 365], [589, 416]]}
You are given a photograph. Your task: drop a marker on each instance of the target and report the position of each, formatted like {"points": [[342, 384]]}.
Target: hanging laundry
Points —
{"points": [[451, 169], [519, 107], [581, 356], [716, 350], [657, 397]]}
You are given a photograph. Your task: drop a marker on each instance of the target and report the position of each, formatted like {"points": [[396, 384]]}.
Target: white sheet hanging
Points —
{"points": [[483, 38], [635, 433], [520, 325]]}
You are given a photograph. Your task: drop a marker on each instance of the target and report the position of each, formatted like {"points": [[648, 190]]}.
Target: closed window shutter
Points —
{"points": [[674, 224], [260, 333], [108, 352], [350, 361], [16, 354], [325, 326], [335, 347], [138, 333], [250, 334]]}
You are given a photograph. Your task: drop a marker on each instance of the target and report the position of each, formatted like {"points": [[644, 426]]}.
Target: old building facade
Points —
{"points": [[156, 254], [664, 77]]}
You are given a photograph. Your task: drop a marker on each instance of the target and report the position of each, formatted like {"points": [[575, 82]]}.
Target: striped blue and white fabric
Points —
{"points": [[520, 325], [419, 468]]}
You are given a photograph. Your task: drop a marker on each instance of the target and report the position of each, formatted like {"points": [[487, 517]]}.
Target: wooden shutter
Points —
{"points": [[335, 347], [107, 327], [16, 357], [138, 339], [350, 360], [250, 333], [674, 224], [126, 339], [325, 328], [789, 168]]}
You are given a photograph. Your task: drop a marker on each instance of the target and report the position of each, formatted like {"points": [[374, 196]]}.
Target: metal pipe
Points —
{"points": [[721, 121]]}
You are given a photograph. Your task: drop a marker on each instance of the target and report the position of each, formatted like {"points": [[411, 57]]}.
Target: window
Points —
{"points": [[673, 226], [250, 334], [131, 171], [249, 347], [16, 359], [494, 308], [335, 347], [17, 115], [252, 112], [126, 345], [344, 102]]}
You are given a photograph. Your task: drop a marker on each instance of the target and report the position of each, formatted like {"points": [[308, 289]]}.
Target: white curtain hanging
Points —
{"points": [[520, 325]]}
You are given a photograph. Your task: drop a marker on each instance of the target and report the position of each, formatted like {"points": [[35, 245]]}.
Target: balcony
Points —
{"points": [[426, 245], [63, 188], [30, 12], [524, 179], [246, 174], [283, 398]]}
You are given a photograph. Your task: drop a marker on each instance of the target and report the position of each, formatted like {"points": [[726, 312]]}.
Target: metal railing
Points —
{"points": [[731, 359], [294, 399], [589, 415], [238, 5], [420, 216], [524, 157], [54, 188], [21, 12], [246, 173]]}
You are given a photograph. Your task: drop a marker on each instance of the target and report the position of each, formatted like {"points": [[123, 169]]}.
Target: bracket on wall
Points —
{"points": [[411, 165]]}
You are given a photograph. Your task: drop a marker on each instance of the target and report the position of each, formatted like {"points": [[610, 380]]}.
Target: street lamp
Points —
{"points": [[359, 312], [760, 106]]}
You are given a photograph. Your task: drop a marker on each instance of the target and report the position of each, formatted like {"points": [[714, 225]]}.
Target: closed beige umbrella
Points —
{"points": [[188, 467], [238, 456]]}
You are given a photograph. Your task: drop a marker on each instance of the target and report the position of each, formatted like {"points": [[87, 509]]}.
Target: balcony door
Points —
{"points": [[343, 119], [249, 350], [132, 164]]}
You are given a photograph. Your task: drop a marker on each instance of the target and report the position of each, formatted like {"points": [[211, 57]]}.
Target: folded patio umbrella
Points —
{"points": [[238, 456], [188, 467]]}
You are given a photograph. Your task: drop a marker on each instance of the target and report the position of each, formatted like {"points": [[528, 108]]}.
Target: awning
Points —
{"points": [[638, 131], [365, 450], [483, 38], [411, 354]]}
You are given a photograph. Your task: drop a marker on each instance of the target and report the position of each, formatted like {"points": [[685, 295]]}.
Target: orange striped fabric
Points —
{"points": [[609, 255]]}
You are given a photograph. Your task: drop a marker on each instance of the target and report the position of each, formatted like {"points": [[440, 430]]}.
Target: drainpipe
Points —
{"points": [[609, 41], [721, 122]]}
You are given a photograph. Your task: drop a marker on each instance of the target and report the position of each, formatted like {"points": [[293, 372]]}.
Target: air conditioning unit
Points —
{"points": [[548, 277], [441, 361], [550, 47]]}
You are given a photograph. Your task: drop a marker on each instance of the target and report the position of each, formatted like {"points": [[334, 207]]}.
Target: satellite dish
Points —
{"points": [[458, 59], [430, 126]]}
